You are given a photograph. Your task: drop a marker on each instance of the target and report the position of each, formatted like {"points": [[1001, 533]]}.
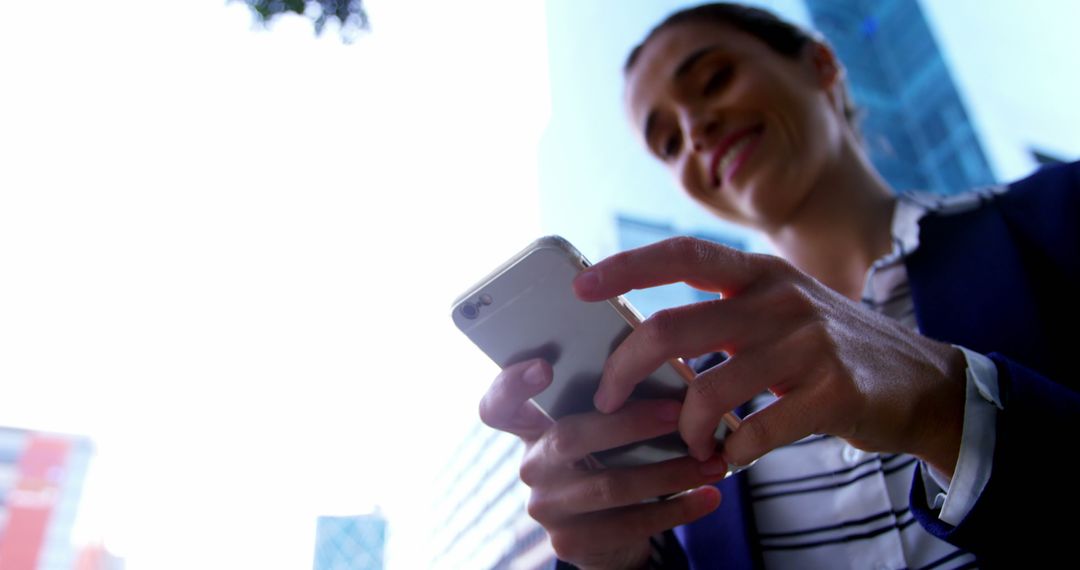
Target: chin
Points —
{"points": [[764, 215]]}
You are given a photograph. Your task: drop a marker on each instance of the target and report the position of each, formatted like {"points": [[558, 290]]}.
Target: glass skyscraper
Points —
{"points": [[915, 126], [480, 514], [350, 543]]}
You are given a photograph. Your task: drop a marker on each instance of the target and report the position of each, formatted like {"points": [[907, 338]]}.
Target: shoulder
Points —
{"points": [[1041, 209], [1051, 190], [1044, 210], [1063, 177], [1054, 187]]}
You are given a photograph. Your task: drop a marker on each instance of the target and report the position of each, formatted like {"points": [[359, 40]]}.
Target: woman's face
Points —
{"points": [[746, 131]]}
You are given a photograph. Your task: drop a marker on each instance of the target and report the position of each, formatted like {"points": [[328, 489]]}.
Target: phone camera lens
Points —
{"points": [[470, 310]]}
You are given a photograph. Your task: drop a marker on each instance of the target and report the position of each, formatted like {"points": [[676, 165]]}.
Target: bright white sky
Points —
{"points": [[229, 256]]}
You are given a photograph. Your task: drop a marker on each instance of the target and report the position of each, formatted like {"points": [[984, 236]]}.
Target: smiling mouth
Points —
{"points": [[733, 151]]}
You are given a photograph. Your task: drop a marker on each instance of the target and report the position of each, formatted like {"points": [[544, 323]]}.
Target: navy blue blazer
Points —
{"points": [[1003, 280]]}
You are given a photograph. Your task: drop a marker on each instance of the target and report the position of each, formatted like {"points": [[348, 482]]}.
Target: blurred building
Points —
{"points": [[350, 543], [41, 477], [480, 515], [97, 557], [916, 127], [600, 191]]}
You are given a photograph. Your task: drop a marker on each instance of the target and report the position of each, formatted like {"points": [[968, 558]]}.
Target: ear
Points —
{"points": [[829, 75], [826, 67]]}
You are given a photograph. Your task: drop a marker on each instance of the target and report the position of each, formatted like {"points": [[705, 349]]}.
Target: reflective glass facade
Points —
{"points": [[915, 126], [481, 511], [350, 543]]}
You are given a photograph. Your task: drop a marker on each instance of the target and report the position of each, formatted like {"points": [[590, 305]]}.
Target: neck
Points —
{"points": [[841, 227]]}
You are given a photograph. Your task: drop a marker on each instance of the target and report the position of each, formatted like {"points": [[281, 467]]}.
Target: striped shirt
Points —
{"points": [[820, 503]]}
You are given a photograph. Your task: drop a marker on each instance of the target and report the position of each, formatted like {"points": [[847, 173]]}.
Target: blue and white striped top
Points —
{"points": [[820, 503]]}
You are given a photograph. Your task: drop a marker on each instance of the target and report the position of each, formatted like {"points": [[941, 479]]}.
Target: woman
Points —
{"points": [[751, 116]]}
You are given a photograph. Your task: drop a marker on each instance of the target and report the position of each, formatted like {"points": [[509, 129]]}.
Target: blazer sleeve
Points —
{"points": [[1016, 302], [1032, 496]]}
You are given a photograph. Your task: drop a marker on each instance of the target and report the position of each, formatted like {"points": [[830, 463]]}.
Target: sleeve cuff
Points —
{"points": [[955, 497]]}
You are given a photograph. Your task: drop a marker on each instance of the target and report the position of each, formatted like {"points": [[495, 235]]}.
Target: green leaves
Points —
{"points": [[349, 14]]}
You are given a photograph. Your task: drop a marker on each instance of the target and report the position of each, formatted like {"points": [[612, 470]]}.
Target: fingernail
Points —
{"points": [[600, 400], [727, 459], [587, 281], [669, 412], [533, 375], [714, 466]]}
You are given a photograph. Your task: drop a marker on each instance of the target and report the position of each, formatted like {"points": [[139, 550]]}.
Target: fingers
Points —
{"points": [[748, 322], [598, 536], [506, 404], [701, 264], [613, 488], [780, 367], [573, 437], [667, 334], [598, 517], [720, 325], [785, 421]]}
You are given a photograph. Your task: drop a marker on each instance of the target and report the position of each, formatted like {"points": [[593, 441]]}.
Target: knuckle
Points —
{"points": [[692, 250], [488, 413], [773, 264], [660, 328], [564, 441], [704, 389], [755, 434], [790, 300], [815, 338], [602, 489], [769, 268]]}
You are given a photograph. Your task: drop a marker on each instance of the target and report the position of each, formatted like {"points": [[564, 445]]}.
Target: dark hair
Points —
{"points": [[781, 36]]}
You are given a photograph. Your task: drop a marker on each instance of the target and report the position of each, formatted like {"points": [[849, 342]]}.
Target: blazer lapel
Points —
{"points": [[725, 538], [970, 287]]}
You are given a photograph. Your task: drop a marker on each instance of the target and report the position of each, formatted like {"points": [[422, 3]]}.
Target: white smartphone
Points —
{"points": [[527, 309]]}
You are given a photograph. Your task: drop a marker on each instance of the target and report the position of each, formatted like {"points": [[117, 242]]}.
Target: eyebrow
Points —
{"points": [[683, 68], [688, 63]]}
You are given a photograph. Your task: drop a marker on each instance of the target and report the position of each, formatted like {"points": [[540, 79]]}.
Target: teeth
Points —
{"points": [[729, 157]]}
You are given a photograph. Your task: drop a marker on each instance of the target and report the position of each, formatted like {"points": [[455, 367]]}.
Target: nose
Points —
{"points": [[702, 130]]}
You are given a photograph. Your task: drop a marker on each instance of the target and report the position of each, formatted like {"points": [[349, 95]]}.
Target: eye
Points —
{"points": [[671, 146], [718, 79]]}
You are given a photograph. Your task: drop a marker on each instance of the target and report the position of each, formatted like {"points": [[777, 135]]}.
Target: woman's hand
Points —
{"points": [[597, 518], [836, 367]]}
